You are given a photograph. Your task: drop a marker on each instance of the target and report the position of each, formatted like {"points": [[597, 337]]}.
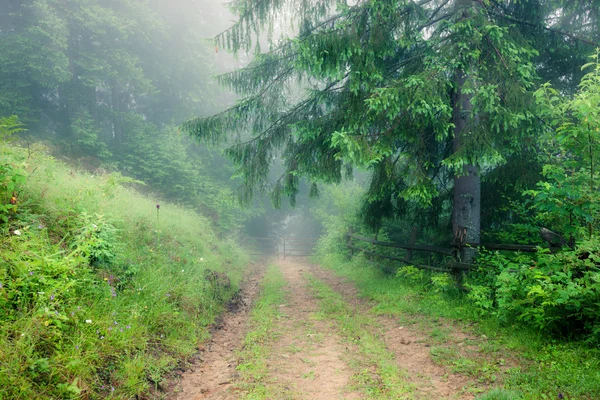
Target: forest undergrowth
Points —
{"points": [[102, 290]]}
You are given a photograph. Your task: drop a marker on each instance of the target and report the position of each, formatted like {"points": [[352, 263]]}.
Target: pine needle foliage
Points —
{"points": [[371, 84]]}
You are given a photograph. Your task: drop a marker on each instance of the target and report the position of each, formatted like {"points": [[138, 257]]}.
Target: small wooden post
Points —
{"points": [[349, 239]]}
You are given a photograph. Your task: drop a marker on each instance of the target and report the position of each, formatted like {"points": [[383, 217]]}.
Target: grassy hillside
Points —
{"points": [[101, 290]]}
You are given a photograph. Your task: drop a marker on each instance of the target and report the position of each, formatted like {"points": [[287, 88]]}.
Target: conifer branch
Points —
{"points": [[543, 27]]}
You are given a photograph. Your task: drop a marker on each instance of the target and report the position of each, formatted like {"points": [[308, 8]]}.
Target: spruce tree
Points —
{"points": [[426, 95]]}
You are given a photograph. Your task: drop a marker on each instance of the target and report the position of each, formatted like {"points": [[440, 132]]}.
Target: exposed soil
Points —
{"points": [[412, 347], [310, 360], [213, 370]]}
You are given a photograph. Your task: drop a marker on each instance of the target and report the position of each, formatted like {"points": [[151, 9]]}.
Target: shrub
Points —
{"points": [[557, 293]]}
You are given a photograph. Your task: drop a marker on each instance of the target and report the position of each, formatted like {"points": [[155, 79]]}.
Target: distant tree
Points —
{"points": [[106, 80]]}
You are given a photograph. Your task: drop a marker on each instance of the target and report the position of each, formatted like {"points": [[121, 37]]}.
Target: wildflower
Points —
{"points": [[17, 232], [88, 321], [101, 337], [41, 226], [52, 296], [110, 328], [201, 259], [182, 270], [72, 313], [1, 285], [120, 329], [128, 327], [77, 347], [30, 272], [168, 294], [56, 312], [116, 323], [158, 206]]}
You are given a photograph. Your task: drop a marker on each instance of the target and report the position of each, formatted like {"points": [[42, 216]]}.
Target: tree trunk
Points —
{"points": [[116, 118], [412, 241], [466, 213], [65, 112]]}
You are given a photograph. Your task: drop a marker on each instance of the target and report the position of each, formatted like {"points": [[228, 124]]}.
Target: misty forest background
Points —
{"points": [[142, 141]]}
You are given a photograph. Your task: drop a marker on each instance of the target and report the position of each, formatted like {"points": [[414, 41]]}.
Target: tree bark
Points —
{"points": [[466, 213]]}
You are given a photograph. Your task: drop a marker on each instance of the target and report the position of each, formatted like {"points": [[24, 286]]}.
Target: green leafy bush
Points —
{"points": [[559, 293], [95, 239]]}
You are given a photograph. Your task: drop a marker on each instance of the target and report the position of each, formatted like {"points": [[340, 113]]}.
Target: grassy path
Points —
{"points": [[310, 336]]}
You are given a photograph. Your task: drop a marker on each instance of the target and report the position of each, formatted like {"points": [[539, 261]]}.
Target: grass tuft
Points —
{"points": [[257, 343], [377, 375]]}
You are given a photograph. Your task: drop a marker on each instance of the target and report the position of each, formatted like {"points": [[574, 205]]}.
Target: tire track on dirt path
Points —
{"points": [[409, 346], [310, 359], [213, 370]]}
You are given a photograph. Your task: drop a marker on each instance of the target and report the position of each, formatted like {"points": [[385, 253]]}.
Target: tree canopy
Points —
{"points": [[422, 94]]}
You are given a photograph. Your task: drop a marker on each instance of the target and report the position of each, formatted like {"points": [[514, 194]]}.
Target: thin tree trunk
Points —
{"points": [[65, 114], [116, 118], [412, 241]]}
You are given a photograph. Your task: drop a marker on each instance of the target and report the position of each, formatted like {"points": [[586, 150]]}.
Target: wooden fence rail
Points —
{"points": [[449, 266], [298, 247]]}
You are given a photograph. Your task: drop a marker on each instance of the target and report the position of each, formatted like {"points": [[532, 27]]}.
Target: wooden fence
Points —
{"points": [[282, 246], [451, 265], [263, 246], [298, 247]]}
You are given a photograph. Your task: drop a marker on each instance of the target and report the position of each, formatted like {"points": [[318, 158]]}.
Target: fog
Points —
{"points": [[107, 84]]}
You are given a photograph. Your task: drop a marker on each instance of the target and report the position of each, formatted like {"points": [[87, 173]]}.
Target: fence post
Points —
{"points": [[349, 240]]}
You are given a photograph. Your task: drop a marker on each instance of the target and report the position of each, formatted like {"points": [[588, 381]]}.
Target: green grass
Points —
{"points": [[101, 295], [377, 374], [546, 367], [257, 343]]}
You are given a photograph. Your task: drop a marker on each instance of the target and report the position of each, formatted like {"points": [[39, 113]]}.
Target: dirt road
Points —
{"points": [[330, 345]]}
